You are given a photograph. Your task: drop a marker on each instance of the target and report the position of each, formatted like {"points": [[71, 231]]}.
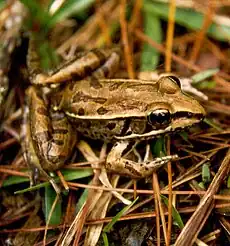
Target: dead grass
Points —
{"points": [[182, 51]]}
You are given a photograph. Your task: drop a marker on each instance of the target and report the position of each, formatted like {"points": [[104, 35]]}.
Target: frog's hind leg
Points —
{"points": [[109, 67], [116, 163], [46, 142], [83, 64], [30, 155]]}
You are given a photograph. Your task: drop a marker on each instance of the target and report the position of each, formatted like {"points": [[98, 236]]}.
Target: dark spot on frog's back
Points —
{"points": [[42, 111], [102, 111], [100, 100], [80, 96], [88, 70], [115, 86], [76, 76], [81, 111]]}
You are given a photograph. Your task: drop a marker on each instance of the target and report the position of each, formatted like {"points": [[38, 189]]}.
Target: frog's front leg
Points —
{"points": [[116, 163], [48, 138]]}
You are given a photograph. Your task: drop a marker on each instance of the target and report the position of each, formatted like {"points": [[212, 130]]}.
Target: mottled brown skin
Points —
{"points": [[52, 134], [101, 62], [118, 110], [118, 107], [47, 136], [110, 110]]}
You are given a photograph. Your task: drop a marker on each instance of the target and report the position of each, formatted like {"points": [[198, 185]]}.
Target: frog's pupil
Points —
{"points": [[159, 117]]}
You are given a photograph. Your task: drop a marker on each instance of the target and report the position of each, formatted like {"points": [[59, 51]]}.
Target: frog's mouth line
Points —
{"points": [[188, 115], [181, 121], [182, 114]]}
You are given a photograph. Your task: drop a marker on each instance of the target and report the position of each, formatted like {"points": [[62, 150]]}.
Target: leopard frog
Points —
{"points": [[121, 111]]}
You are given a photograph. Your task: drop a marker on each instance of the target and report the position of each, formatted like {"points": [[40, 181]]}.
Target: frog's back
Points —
{"points": [[108, 99], [119, 98], [107, 109]]}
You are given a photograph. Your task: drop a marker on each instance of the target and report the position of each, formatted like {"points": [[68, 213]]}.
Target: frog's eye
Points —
{"points": [[159, 117], [175, 80]]}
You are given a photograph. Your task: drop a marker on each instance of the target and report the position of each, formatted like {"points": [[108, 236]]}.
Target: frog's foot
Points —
{"points": [[117, 164]]}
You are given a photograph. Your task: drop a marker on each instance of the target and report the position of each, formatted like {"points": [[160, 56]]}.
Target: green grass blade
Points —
{"points": [[159, 147], [50, 196], [105, 239], [211, 123], [206, 175], [82, 200], [228, 182], [219, 32], [2, 4], [207, 84], [70, 8], [152, 28], [39, 17], [109, 226], [69, 174], [12, 180], [204, 75], [175, 214]]}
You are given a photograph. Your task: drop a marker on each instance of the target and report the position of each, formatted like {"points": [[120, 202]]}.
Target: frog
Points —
{"points": [[90, 102]]}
